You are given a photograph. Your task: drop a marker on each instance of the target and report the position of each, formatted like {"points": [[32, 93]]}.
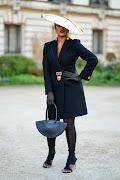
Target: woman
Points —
{"points": [[63, 87]]}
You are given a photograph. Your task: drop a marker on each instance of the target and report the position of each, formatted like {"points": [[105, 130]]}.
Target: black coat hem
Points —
{"points": [[67, 115]]}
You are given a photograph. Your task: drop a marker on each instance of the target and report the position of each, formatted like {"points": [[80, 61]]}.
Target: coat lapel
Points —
{"points": [[54, 52], [62, 52]]}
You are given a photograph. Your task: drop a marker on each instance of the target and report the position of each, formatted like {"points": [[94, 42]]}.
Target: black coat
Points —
{"points": [[69, 94]]}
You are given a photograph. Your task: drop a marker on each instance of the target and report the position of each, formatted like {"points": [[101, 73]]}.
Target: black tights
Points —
{"points": [[70, 135]]}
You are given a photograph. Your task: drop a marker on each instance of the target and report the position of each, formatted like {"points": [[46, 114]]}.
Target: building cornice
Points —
{"points": [[70, 8]]}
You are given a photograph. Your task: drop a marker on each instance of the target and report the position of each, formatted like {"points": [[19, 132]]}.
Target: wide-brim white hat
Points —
{"points": [[65, 22]]}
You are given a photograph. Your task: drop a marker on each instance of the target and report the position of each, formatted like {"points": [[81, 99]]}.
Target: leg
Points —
{"points": [[51, 153], [51, 145], [71, 140], [70, 134]]}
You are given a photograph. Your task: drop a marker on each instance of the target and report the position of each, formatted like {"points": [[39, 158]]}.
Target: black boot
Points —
{"points": [[71, 139], [51, 153], [48, 162], [70, 161]]}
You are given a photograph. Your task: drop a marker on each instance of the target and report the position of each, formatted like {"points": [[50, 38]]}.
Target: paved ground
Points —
{"points": [[23, 149]]}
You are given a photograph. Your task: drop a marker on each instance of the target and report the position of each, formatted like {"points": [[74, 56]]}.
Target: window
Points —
{"points": [[97, 41], [12, 39], [99, 3]]}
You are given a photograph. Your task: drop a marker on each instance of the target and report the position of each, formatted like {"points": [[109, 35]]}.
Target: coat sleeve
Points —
{"points": [[47, 71], [88, 56]]}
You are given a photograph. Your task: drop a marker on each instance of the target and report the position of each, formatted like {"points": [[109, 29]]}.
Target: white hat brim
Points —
{"points": [[65, 22]]}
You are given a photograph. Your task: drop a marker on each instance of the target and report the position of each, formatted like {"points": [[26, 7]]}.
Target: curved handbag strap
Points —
{"points": [[55, 111]]}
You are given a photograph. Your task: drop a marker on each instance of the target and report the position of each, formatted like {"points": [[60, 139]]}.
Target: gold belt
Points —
{"points": [[59, 75]]}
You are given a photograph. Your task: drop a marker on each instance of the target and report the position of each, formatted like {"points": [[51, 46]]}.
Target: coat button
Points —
{"points": [[88, 77]]}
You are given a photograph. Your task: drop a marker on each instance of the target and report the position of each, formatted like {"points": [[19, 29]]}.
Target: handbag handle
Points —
{"points": [[55, 111]]}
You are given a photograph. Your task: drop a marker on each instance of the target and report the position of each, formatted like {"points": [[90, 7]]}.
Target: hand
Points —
{"points": [[71, 76], [50, 99]]}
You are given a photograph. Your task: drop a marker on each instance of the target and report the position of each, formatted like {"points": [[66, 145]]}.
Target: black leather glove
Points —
{"points": [[50, 98], [71, 76]]}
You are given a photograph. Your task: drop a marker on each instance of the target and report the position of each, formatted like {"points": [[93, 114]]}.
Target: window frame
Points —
{"points": [[98, 3], [99, 46], [18, 30]]}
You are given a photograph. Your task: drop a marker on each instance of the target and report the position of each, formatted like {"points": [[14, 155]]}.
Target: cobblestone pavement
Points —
{"points": [[23, 150]]}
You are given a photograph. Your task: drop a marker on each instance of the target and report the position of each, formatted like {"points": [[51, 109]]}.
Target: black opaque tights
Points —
{"points": [[70, 135]]}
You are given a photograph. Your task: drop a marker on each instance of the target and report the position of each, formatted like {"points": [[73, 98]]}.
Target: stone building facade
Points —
{"points": [[23, 31]]}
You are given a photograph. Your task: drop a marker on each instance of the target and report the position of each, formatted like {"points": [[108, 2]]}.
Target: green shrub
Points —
{"points": [[15, 65], [34, 71], [104, 75], [80, 63], [26, 79], [110, 67], [117, 68], [41, 72], [100, 67], [23, 79]]}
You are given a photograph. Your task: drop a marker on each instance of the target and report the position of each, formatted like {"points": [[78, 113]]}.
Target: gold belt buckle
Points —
{"points": [[59, 75]]}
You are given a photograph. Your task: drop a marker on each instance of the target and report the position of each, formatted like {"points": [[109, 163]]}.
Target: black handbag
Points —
{"points": [[51, 128]]}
